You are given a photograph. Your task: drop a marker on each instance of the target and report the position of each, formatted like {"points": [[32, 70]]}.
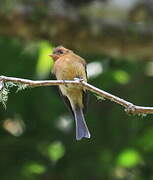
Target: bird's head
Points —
{"points": [[59, 52]]}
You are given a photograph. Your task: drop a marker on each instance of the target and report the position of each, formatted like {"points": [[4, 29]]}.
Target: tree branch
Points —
{"points": [[129, 107]]}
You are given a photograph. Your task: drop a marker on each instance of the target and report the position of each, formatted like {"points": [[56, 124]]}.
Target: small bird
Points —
{"points": [[69, 66]]}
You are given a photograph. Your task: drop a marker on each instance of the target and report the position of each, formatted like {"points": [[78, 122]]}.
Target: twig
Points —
{"points": [[129, 107]]}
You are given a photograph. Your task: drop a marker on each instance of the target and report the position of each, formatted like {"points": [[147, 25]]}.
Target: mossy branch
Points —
{"points": [[7, 82]]}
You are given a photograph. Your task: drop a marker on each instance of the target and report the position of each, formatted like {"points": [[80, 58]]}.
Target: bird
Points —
{"points": [[69, 66]]}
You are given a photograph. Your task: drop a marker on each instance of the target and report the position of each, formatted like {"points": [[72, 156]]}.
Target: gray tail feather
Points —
{"points": [[81, 126]]}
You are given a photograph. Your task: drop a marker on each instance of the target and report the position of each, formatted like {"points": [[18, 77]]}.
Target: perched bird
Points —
{"points": [[69, 66]]}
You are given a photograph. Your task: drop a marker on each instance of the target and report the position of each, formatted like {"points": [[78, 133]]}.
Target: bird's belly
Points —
{"points": [[73, 93], [70, 89]]}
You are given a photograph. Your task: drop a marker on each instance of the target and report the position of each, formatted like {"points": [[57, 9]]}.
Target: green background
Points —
{"points": [[44, 148]]}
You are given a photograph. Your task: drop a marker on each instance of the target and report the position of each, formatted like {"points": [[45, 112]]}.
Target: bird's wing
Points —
{"points": [[85, 100], [67, 102]]}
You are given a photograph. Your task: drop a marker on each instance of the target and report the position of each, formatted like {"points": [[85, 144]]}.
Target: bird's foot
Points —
{"points": [[78, 79]]}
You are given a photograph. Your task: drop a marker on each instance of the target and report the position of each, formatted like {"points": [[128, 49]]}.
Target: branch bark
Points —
{"points": [[129, 107]]}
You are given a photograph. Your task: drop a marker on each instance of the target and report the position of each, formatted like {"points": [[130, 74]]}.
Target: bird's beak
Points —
{"points": [[54, 56], [51, 55]]}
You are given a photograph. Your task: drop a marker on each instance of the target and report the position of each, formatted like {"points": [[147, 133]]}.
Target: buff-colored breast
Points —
{"points": [[69, 67]]}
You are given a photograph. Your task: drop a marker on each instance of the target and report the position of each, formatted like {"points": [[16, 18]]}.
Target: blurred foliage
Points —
{"points": [[33, 168], [121, 76], [129, 158], [119, 143], [37, 131], [43, 67], [56, 151]]}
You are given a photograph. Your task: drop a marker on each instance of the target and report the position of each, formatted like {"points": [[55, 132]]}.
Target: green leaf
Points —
{"points": [[128, 158], [121, 77], [34, 168], [44, 62], [56, 151]]}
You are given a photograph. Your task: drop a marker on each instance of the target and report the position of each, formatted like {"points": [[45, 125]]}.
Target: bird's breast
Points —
{"points": [[68, 70]]}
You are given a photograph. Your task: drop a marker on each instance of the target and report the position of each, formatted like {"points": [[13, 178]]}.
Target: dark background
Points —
{"points": [[37, 133]]}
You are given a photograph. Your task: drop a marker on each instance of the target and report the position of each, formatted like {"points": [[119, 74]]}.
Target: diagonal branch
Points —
{"points": [[129, 107]]}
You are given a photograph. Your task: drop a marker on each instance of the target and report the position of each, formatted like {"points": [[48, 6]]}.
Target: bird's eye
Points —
{"points": [[60, 51]]}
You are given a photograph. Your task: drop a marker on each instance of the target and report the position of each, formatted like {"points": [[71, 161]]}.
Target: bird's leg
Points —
{"points": [[78, 79]]}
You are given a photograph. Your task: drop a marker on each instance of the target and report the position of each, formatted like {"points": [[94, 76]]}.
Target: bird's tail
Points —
{"points": [[81, 126]]}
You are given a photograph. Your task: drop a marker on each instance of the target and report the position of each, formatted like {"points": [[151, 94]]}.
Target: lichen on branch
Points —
{"points": [[5, 89]]}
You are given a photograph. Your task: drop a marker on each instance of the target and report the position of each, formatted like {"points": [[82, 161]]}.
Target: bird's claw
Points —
{"points": [[78, 79]]}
